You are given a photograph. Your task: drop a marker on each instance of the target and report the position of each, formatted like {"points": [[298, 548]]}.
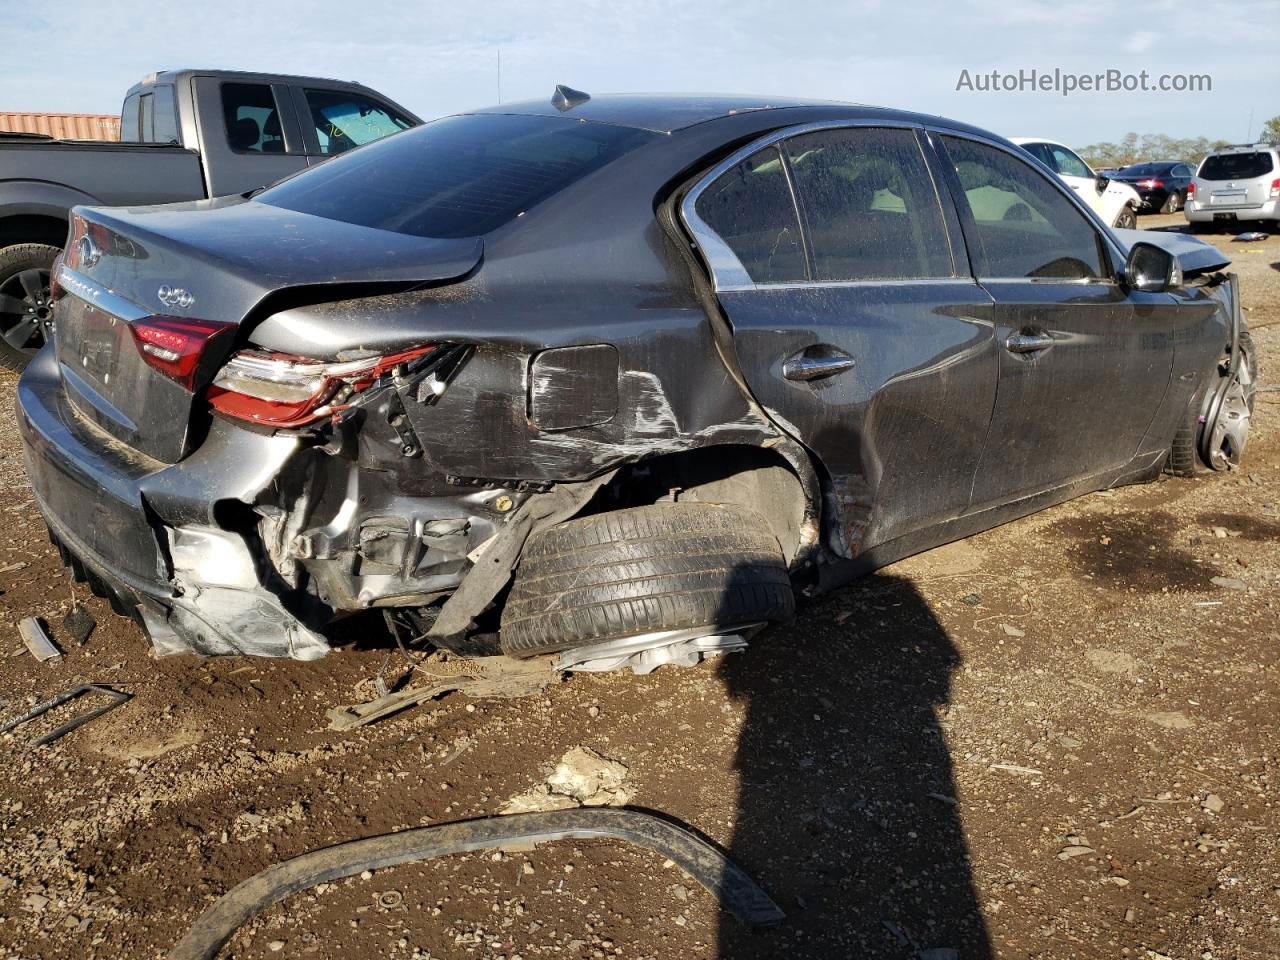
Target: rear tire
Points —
{"points": [[670, 566], [1126, 219], [1184, 456], [24, 301], [1172, 203]]}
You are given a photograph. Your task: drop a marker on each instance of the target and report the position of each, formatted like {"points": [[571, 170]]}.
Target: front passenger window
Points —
{"points": [[1025, 226], [346, 120]]}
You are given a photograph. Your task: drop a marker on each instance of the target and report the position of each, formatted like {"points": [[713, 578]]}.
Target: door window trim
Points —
{"points": [[1110, 253], [727, 272]]}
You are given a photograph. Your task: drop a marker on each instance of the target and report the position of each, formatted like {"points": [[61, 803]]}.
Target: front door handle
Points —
{"points": [[1028, 342], [814, 363]]}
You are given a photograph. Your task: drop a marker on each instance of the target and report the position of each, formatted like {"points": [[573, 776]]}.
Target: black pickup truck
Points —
{"points": [[184, 135]]}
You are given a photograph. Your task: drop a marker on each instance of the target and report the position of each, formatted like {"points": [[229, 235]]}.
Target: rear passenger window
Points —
{"points": [[1025, 227], [164, 124], [870, 208], [751, 210], [253, 123]]}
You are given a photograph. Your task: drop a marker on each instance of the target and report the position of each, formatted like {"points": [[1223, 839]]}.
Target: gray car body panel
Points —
{"points": [[591, 345]]}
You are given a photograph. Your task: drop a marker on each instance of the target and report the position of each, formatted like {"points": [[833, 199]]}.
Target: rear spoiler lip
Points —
{"points": [[1193, 254]]}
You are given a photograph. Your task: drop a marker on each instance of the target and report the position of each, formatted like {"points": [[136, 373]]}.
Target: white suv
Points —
{"points": [[1235, 184], [1116, 203]]}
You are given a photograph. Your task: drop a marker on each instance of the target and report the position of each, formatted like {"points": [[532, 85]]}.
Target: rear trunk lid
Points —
{"points": [[220, 261]]}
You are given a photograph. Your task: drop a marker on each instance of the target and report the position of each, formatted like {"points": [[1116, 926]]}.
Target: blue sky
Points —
{"points": [[437, 58]]}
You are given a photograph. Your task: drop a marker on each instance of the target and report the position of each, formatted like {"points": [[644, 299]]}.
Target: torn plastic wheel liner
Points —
{"points": [[736, 891]]}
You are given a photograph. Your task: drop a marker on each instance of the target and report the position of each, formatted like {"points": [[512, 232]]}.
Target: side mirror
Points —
{"points": [[1151, 269], [1101, 182]]}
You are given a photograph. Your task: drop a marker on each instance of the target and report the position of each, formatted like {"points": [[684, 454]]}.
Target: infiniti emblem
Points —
{"points": [[88, 252], [175, 297]]}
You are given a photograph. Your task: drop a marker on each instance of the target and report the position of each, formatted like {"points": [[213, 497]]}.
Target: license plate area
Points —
{"points": [[1224, 216], [107, 383]]}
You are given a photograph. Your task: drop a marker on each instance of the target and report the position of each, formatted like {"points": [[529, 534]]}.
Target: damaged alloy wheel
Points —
{"points": [[1217, 425], [645, 570]]}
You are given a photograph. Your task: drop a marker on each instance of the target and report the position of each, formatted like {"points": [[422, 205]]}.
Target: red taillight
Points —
{"points": [[1275, 188], [175, 345], [1191, 189], [55, 288], [283, 390]]}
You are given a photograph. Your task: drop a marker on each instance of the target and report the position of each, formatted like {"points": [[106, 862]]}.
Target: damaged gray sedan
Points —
{"points": [[609, 378]]}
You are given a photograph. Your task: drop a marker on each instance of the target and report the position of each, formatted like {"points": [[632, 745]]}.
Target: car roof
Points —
{"points": [[660, 113], [1022, 140], [175, 76], [1247, 148], [667, 113]]}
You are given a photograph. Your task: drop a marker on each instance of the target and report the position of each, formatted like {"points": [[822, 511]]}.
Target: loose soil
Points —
{"points": [[1055, 739]]}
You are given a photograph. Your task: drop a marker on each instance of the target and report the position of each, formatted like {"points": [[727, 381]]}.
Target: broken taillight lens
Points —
{"points": [[282, 390], [175, 346]]}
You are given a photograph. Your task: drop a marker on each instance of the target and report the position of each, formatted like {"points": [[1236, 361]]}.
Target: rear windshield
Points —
{"points": [[1235, 166], [457, 177], [1147, 170]]}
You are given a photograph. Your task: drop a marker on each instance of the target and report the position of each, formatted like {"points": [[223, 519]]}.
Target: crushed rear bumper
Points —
{"points": [[146, 533]]}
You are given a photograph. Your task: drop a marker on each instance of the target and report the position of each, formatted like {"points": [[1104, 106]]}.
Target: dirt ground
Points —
{"points": [[1057, 739]]}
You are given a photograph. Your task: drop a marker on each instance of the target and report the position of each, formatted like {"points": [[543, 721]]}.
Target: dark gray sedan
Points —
{"points": [[607, 378]]}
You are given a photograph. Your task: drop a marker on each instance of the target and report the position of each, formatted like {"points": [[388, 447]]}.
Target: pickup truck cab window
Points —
{"points": [[1023, 224], [870, 208], [252, 118], [164, 115], [344, 120], [750, 208], [129, 128]]}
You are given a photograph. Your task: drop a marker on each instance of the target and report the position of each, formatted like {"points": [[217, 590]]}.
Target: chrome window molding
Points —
{"points": [[728, 273], [965, 280]]}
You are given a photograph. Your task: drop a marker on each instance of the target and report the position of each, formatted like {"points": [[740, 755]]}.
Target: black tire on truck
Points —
{"points": [[670, 566], [24, 301], [1184, 457]]}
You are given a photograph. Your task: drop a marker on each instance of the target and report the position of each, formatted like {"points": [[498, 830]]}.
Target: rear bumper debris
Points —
{"points": [[722, 878]]}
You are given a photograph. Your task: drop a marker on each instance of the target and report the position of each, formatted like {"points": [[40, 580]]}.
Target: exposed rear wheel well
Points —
{"points": [[33, 228], [753, 477]]}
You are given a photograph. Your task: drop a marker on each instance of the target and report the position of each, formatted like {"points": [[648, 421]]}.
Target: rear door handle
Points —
{"points": [[1028, 342], [816, 362]]}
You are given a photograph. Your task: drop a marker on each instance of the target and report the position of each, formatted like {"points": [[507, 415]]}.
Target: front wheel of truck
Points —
{"points": [[678, 566], [26, 307]]}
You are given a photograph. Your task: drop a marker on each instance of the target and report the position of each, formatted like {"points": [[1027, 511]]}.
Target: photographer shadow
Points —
{"points": [[847, 810]]}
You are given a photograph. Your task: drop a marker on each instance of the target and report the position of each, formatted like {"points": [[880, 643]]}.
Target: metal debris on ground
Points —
{"points": [[722, 878], [117, 697], [1249, 237], [37, 640], [79, 623], [504, 681]]}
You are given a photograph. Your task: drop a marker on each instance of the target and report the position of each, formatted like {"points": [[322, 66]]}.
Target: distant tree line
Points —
{"points": [[1136, 148]]}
